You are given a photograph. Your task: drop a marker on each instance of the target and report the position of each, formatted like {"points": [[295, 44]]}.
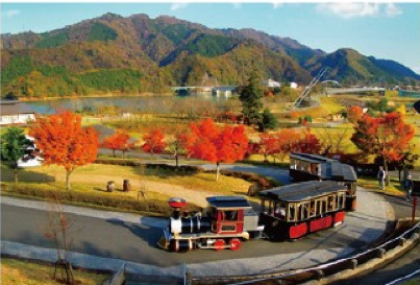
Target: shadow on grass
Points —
{"points": [[26, 175]]}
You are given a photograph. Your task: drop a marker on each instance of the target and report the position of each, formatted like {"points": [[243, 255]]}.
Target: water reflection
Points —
{"points": [[145, 104]]}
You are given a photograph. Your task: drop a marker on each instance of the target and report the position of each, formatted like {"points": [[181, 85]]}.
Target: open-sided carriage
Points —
{"points": [[292, 211], [307, 167]]}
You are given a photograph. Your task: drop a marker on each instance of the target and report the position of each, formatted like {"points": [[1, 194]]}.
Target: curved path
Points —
{"points": [[105, 240]]}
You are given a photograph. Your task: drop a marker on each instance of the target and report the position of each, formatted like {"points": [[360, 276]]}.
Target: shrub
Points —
{"points": [[117, 202]]}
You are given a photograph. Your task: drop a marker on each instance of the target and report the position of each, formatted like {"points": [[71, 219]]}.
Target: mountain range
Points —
{"points": [[140, 54]]}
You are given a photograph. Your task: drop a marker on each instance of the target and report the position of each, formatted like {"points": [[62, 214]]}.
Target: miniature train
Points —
{"points": [[307, 167], [287, 213]]}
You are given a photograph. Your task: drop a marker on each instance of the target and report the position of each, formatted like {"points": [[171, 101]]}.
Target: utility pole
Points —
{"points": [[415, 192]]}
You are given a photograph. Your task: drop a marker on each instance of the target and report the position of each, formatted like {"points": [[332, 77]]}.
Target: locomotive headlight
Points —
{"points": [[176, 226]]}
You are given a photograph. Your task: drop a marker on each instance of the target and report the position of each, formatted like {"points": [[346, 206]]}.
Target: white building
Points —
{"points": [[293, 85], [14, 112], [271, 83]]}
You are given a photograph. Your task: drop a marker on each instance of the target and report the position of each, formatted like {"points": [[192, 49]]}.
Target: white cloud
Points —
{"points": [[236, 5], [391, 10], [177, 6], [11, 13], [277, 4], [349, 10]]}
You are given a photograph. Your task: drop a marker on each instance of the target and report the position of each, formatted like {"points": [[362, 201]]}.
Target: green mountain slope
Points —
{"points": [[139, 54]]}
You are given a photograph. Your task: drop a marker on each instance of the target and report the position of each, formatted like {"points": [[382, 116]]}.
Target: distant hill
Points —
{"points": [[139, 54]]}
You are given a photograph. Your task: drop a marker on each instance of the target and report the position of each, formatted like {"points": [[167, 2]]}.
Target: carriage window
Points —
{"points": [[303, 211], [280, 210], [331, 206], [292, 212], [230, 215], [323, 206], [312, 209]]}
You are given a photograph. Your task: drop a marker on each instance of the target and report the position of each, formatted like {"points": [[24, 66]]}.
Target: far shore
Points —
{"points": [[146, 94]]}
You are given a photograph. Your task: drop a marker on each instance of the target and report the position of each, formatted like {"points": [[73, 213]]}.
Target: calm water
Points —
{"points": [[156, 103]]}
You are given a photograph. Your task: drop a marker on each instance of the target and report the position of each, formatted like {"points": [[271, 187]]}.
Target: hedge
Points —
{"points": [[116, 202]]}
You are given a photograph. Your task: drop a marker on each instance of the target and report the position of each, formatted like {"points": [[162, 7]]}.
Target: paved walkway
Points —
{"points": [[366, 225]]}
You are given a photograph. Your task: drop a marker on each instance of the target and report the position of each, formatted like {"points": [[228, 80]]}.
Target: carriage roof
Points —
{"points": [[303, 191], [228, 202], [330, 168]]}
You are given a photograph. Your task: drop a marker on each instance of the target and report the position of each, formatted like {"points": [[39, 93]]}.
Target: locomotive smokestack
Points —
{"points": [[176, 203]]}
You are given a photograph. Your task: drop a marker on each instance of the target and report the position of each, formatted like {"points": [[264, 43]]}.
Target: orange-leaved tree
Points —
{"points": [[154, 142], [217, 144], [388, 137], [354, 113], [269, 145], [62, 141], [118, 141]]}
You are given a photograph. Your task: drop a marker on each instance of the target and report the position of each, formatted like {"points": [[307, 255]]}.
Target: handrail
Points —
{"points": [[323, 266]]}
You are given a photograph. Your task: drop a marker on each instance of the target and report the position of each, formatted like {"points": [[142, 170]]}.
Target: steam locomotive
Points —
{"points": [[287, 213]]}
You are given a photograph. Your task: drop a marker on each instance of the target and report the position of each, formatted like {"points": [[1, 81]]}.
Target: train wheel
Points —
{"points": [[219, 244], [235, 244]]}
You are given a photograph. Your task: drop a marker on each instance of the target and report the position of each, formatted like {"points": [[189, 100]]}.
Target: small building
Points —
{"points": [[223, 91], [271, 83], [14, 112], [293, 85]]}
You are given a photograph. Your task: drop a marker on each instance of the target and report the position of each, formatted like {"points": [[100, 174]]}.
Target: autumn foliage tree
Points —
{"points": [[118, 141], [354, 113], [387, 136], [217, 144], [269, 145], [62, 141], [154, 142]]}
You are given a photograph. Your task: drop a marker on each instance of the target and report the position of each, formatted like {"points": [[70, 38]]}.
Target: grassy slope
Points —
{"points": [[17, 272]]}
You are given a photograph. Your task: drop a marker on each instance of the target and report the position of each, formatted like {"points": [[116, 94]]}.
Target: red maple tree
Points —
{"points": [[118, 141], [154, 142], [269, 145], [354, 113], [217, 144], [62, 141], [387, 136]]}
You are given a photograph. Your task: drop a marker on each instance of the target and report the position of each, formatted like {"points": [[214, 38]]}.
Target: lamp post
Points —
{"points": [[415, 192]]}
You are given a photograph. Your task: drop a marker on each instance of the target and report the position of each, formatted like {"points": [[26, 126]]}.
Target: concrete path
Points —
{"points": [[361, 228]]}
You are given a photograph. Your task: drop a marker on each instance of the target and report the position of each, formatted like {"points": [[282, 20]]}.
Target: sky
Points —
{"points": [[384, 30]]}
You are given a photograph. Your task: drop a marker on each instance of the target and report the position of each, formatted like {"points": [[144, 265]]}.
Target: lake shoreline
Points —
{"points": [[146, 94]]}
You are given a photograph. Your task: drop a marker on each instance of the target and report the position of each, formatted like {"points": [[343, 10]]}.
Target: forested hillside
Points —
{"points": [[112, 54]]}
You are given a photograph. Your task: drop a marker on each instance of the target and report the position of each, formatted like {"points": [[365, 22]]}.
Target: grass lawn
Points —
{"points": [[17, 272], [158, 185], [393, 188], [94, 177], [414, 281]]}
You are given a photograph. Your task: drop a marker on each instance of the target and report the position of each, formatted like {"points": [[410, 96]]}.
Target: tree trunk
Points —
{"points": [[123, 154], [176, 158], [113, 152], [387, 178], [217, 171], [15, 175], [68, 173]]}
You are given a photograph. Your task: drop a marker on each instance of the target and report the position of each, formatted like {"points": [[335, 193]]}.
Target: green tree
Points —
{"points": [[268, 121], [250, 97], [14, 144]]}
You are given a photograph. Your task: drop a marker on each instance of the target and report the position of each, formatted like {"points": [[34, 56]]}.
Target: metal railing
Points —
{"points": [[320, 272]]}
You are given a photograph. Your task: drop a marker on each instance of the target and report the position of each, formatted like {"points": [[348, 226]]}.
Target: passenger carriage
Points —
{"points": [[307, 167], [292, 211]]}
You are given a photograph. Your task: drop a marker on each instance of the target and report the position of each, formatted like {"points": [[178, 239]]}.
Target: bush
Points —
{"points": [[116, 202], [182, 168]]}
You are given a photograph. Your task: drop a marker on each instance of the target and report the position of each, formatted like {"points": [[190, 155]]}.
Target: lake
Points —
{"points": [[160, 104]]}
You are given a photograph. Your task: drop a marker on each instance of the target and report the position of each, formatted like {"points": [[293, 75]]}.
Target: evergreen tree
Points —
{"points": [[268, 121], [14, 145], [251, 99]]}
